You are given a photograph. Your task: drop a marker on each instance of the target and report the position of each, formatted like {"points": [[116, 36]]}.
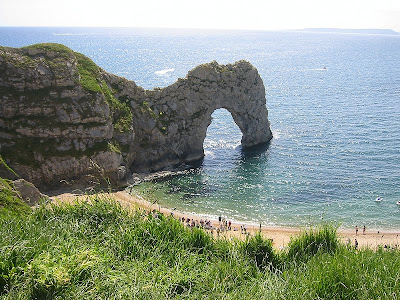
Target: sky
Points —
{"points": [[216, 14]]}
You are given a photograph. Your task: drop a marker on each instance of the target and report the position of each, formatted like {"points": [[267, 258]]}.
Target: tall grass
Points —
{"points": [[99, 250], [311, 242], [260, 251]]}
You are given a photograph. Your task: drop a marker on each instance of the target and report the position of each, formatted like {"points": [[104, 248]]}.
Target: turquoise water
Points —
{"points": [[334, 104]]}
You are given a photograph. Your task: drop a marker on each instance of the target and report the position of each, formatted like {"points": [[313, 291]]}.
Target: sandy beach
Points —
{"points": [[279, 235]]}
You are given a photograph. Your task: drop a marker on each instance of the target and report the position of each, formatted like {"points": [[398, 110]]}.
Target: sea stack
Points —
{"points": [[64, 119]]}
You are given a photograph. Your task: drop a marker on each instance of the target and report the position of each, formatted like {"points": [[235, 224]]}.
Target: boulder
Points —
{"points": [[28, 192]]}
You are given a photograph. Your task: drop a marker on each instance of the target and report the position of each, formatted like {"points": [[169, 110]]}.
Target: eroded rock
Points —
{"points": [[28, 192], [64, 119]]}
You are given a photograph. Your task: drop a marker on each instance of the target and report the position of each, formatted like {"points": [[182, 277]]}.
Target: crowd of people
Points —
{"points": [[223, 225]]}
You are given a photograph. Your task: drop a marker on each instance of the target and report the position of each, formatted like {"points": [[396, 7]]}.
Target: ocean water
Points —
{"points": [[334, 107]]}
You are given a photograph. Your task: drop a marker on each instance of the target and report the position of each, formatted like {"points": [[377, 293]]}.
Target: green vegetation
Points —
{"points": [[62, 50], [99, 250], [90, 79], [146, 109], [10, 203], [122, 115], [89, 73], [114, 147], [312, 242]]}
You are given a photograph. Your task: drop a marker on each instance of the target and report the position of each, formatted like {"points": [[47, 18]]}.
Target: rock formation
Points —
{"points": [[62, 118], [28, 192]]}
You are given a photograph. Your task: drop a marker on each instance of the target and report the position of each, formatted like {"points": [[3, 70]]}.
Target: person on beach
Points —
{"points": [[356, 229], [355, 244], [364, 230]]}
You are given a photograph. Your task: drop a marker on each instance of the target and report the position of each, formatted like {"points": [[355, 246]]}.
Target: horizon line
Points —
{"points": [[201, 28]]}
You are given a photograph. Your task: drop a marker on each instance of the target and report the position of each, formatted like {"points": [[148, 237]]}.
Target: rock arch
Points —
{"points": [[183, 111], [62, 118]]}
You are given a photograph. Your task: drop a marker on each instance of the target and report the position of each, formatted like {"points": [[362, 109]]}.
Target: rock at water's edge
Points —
{"points": [[64, 119]]}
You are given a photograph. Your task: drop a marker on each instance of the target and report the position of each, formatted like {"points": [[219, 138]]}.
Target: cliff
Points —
{"points": [[62, 118]]}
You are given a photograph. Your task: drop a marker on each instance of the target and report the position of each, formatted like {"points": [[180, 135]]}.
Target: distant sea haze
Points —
{"points": [[334, 107], [351, 31]]}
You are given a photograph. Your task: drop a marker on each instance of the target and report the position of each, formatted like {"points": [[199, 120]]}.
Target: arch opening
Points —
{"points": [[222, 139], [223, 132]]}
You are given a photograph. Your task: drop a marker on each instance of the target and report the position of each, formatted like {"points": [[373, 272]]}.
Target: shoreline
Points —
{"points": [[280, 236]]}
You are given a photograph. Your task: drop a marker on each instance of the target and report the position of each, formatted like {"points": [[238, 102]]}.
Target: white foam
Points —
{"points": [[209, 153], [164, 72]]}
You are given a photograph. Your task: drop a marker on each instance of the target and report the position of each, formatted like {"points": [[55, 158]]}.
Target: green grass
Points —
{"points": [[89, 73], [10, 203], [99, 250], [59, 48], [311, 242]]}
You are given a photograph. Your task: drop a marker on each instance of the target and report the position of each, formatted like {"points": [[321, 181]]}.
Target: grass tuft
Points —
{"points": [[311, 242], [260, 251]]}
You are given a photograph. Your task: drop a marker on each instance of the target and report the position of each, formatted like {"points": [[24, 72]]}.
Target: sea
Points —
{"points": [[334, 108]]}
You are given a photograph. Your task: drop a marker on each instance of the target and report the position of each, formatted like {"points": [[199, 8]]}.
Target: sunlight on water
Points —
{"points": [[334, 108]]}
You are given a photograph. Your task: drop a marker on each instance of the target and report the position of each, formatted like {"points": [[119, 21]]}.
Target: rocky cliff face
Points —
{"points": [[62, 118]]}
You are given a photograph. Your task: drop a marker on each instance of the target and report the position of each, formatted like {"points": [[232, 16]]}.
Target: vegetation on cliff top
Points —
{"points": [[54, 47], [90, 78], [99, 250]]}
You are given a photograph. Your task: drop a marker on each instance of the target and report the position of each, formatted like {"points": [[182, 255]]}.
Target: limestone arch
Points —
{"points": [[250, 126], [186, 108]]}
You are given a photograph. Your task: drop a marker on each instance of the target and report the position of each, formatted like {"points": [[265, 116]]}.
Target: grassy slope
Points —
{"points": [[101, 251], [10, 203]]}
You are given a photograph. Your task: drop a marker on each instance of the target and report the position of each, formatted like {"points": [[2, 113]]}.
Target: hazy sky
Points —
{"points": [[223, 14]]}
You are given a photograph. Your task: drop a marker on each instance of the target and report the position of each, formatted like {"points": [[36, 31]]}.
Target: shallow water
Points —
{"points": [[334, 107]]}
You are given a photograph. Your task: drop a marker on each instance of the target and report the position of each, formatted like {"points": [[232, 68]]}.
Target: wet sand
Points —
{"points": [[279, 235]]}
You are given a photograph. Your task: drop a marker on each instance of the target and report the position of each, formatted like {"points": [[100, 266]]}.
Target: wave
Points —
{"points": [[164, 72]]}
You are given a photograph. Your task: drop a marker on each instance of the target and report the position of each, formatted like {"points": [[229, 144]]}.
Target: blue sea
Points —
{"points": [[334, 108]]}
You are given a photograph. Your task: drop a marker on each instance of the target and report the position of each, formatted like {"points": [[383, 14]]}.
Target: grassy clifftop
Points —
{"points": [[102, 251], [57, 57]]}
